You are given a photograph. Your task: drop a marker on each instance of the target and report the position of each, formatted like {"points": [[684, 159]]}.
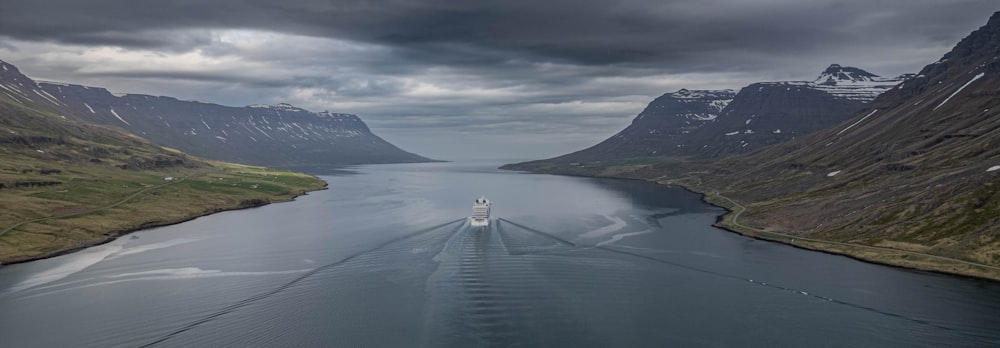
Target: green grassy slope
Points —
{"points": [[66, 184]]}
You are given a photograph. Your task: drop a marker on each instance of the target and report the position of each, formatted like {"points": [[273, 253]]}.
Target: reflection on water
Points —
{"points": [[387, 258]]}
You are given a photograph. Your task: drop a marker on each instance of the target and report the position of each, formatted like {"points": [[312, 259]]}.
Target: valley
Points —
{"points": [[67, 184], [904, 177], [624, 173]]}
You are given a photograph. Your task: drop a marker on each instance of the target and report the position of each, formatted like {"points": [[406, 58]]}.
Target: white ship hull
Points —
{"points": [[480, 222]]}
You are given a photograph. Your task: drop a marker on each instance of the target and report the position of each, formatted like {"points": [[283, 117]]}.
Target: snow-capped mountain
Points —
{"points": [[767, 113], [853, 83], [271, 135], [663, 126], [918, 168], [710, 124]]}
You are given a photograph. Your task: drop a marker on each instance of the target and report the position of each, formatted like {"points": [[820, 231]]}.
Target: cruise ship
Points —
{"points": [[481, 212]]}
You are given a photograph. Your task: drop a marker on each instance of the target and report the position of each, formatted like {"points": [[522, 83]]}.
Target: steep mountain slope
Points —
{"points": [[918, 169], [29, 131], [279, 135], [662, 128], [67, 184], [768, 113], [712, 124]]}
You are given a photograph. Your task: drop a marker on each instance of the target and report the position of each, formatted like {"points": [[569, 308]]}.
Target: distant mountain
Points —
{"points": [[712, 124], [273, 135], [917, 169], [853, 83], [767, 113], [663, 128]]}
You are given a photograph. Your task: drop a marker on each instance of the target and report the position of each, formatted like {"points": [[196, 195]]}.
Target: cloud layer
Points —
{"points": [[524, 78]]}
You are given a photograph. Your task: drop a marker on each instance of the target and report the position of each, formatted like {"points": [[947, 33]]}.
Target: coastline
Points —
{"points": [[902, 259], [721, 223], [113, 235]]}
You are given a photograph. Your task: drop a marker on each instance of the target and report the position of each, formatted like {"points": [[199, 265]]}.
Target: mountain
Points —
{"points": [[272, 135], [853, 83], [710, 124], [29, 130], [918, 169], [67, 184], [767, 113], [663, 127]]}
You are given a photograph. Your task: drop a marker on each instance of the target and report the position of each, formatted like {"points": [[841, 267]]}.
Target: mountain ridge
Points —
{"points": [[708, 124], [66, 184], [278, 135], [912, 179]]}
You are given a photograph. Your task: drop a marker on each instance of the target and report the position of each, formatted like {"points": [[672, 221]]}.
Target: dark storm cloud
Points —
{"points": [[223, 77], [667, 34], [575, 69]]}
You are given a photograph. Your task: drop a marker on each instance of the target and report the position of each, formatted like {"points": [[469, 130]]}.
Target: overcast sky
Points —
{"points": [[452, 78]]}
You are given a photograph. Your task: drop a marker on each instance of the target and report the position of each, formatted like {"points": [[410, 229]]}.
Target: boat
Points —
{"points": [[481, 212]]}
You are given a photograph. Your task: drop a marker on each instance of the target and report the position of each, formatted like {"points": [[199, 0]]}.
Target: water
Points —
{"points": [[385, 257]]}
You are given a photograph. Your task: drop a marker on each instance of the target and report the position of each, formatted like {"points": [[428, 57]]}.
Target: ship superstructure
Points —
{"points": [[481, 212]]}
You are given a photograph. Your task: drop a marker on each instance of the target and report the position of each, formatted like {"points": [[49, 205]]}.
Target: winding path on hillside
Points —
{"points": [[123, 201]]}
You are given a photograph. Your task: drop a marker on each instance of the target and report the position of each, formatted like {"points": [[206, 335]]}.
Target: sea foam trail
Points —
{"points": [[617, 223], [261, 296], [152, 246], [79, 261], [535, 231], [76, 262], [760, 283], [161, 274], [620, 236]]}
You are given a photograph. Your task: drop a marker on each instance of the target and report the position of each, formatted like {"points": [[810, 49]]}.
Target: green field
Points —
{"points": [[66, 184], [92, 203]]}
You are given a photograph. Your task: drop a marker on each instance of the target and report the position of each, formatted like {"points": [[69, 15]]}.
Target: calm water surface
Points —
{"points": [[385, 257]]}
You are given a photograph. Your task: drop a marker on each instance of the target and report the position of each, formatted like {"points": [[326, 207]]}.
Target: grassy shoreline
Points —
{"points": [[872, 254], [866, 253], [92, 206]]}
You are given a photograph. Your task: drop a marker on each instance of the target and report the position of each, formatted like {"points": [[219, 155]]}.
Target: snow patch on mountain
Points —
{"points": [[278, 107], [974, 78], [702, 94], [851, 83], [700, 117], [47, 96], [858, 122], [119, 117], [720, 104]]}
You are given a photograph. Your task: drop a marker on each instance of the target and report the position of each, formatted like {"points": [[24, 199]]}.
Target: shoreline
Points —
{"points": [[719, 223], [114, 235], [935, 265]]}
